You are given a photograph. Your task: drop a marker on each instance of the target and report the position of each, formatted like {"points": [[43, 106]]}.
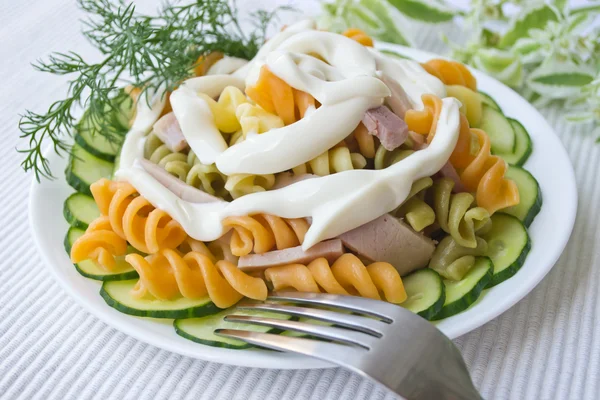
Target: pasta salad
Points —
{"points": [[321, 165]]}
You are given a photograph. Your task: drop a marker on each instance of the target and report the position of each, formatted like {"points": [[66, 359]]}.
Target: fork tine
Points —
{"points": [[362, 305], [325, 332], [332, 352], [366, 325]]}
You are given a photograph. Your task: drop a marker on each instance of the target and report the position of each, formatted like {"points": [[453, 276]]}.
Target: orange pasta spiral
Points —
{"points": [[359, 36], [451, 72], [100, 244], [134, 219], [347, 275], [168, 274], [262, 232], [274, 95], [480, 171]]}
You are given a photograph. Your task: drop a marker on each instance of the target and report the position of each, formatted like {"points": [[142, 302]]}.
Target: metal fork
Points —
{"points": [[388, 344]]}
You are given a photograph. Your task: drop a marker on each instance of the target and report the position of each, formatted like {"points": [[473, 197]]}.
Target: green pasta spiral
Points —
{"points": [[157, 152], [453, 261], [384, 158], [457, 215], [414, 209], [205, 177]]}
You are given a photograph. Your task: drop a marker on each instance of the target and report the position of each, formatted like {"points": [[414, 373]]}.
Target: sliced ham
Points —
{"points": [[398, 101], [391, 130], [330, 249], [287, 178], [448, 171], [391, 240], [178, 187], [168, 130]]}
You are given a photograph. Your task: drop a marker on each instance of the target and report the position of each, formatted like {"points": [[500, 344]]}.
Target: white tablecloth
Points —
{"points": [[546, 347]]}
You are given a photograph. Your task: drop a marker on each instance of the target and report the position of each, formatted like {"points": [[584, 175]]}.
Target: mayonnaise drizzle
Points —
{"points": [[226, 65], [336, 203], [346, 85], [195, 117]]}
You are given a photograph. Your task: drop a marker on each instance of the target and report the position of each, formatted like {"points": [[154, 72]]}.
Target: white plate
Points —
{"points": [[549, 232]]}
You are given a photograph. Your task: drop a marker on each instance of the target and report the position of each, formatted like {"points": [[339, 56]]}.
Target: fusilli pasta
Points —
{"points": [[452, 260], [167, 275], [277, 97], [480, 172], [415, 210], [359, 36], [157, 152], [261, 233], [205, 177], [241, 184], [451, 72], [347, 275], [134, 219], [337, 159], [471, 103], [456, 215], [100, 244]]}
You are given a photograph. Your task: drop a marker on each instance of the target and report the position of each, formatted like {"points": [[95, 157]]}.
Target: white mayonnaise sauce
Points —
{"points": [[147, 113], [226, 65], [346, 85], [195, 116]]}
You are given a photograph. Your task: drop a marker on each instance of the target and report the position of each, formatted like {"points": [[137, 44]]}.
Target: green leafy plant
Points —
{"points": [[546, 50], [153, 53]]}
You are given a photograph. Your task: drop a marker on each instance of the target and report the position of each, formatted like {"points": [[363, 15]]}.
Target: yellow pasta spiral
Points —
{"points": [[456, 215], [262, 232], [471, 102], [241, 184], [134, 219], [334, 160], [100, 244], [347, 275], [168, 274]]}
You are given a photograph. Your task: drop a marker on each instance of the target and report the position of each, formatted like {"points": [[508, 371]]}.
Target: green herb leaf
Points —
{"points": [[423, 10], [564, 79], [559, 80], [536, 17], [154, 53], [502, 65], [388, 30], [591, 9]]}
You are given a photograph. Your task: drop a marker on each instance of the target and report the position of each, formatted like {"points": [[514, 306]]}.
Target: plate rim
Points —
{"points": [[268, 359]]}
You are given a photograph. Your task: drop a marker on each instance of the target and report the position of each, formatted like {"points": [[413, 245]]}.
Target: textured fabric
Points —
{"points": [[545, 347]]}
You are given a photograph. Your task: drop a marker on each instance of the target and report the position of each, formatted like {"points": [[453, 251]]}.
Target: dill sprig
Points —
{"points": [[153, 53]]}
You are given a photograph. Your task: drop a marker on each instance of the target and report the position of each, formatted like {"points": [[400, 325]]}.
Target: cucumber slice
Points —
{"points": [[80, 210], [523, 145], [117, 294], [461, 294], [508, 246], [487, 99], [530, 195], [89, 269], [425, 291], [72, 235], [201, 330], [85, 168], [94, 143], [499, 129]]}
